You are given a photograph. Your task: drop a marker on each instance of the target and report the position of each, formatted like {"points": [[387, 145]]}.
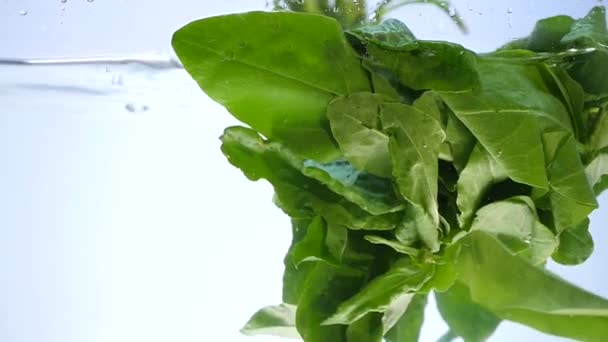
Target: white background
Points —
{"points": [[117, 226]]}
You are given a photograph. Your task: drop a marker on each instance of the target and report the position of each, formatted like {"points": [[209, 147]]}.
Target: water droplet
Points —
{"points": [[134, 108], [63, 1], [469, 7], [452, 11], [499, 154], [509, 10], [479, 13], [90, 0], [23, 13], [425, 146], [229, 54]]}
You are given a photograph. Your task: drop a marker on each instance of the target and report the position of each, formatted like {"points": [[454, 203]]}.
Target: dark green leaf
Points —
{"points": [[413, 65], [326, 287], [403, 277], [460, 140], [295, 277], [575, 245], [407, 329], [589, 30], [313, 247], [588, 70], [394, 244], [465, 318], [279, 89], [366, 329], [548, 33], [390, 45], [390, 34], [277, 320], [572, 95]]}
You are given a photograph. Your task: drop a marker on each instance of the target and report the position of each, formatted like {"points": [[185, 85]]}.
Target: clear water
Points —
{"points": [[122, 221]]}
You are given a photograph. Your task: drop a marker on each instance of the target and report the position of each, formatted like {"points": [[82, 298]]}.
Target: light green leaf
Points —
{"points": [[571, 198], [355, 123], [575, 245], [598, 139], [465, 318], [415, 139], [403, 277], [597, 173], [513, 289], [514, 223], [507, 115], [277, 320], [280, 89], [480, 173], [407, 329]]}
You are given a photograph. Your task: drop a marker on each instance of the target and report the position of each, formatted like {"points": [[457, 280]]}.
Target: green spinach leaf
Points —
{"points": [[280, 89], [465, 318]]}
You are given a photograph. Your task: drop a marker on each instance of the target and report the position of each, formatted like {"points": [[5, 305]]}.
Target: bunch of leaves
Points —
{"points": [[412, 167]]}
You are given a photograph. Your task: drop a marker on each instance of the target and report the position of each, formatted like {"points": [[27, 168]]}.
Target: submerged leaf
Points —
{"points": [[575, 245], [297, 194], [279, 89], [515, 224], [515, 290], [277, 320], [403, 277], [415, 138], [355, 123], [407, 329], [480, 173], [465, 318]]}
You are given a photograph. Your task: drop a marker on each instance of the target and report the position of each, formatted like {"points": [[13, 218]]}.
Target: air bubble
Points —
{"points": [[452, 11], [23, 13], [134, 108]]}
